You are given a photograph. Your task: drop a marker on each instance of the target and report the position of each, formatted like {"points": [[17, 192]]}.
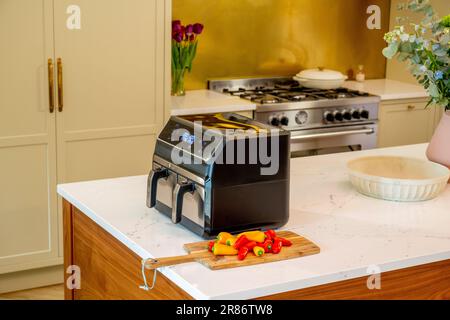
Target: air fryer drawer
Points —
{"points": [[251, 206]]}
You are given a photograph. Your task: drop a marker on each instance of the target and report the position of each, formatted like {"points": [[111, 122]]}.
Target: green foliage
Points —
{"points": [[183, 54], [425, 47]]}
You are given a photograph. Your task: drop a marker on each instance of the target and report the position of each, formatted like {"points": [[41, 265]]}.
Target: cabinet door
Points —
{"points": [[112, 54], [28, 211], [404, 123]]}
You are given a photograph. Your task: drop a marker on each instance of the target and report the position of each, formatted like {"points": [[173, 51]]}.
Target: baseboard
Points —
{"points": [[31, 279]]}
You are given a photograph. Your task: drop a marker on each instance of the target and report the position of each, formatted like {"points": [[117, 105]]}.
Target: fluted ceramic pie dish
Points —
{"points": [[398, 178]]}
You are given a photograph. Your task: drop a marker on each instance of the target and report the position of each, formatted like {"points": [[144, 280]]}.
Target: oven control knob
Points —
{"points": [[328, 116], [301, 117], [284, 121], [347, 115], [365, 114], [275, 121], [356, 115], [339, 116]]}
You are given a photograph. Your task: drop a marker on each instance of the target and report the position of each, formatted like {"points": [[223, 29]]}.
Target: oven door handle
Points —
{"points": [[333, 134]]}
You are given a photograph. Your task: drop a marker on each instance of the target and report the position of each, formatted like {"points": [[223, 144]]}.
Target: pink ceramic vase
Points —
{"points": [[439, 148]]}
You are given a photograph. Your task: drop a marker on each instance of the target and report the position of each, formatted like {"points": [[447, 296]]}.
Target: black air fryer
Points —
{"points": [[230, 173]]}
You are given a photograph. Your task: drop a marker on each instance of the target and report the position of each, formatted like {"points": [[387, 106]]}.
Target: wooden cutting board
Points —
{"points": [[198, 252]]}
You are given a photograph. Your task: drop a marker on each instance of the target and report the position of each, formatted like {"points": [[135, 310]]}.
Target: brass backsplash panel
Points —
{"points": [[281, 37]]}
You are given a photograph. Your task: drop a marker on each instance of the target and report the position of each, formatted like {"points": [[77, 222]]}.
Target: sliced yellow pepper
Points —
{"points": [[224, 250], [223, 236], [258, 251], [231, 241], [257, 236]]}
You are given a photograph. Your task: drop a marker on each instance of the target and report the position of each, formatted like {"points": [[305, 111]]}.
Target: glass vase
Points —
{"points": [[178, 82]]}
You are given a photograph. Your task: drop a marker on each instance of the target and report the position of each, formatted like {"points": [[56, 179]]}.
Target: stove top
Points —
{"points": [[281, 101], [276, 95]]}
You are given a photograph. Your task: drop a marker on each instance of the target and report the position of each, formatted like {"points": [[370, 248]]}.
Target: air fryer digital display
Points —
{"points": [[188, 138]]}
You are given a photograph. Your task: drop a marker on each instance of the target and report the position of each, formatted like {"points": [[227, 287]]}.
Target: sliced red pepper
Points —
{"points": [[277, 245], [240, 242], [251, 245], [243, 251], [211, 245], [267, 245], [272, 234], [285, 242]]}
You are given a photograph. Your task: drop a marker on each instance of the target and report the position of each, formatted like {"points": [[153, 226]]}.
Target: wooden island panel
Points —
{"points": [[425, 282], [109, 270]]}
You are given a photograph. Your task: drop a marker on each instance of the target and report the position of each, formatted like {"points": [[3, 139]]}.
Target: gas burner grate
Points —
{"points": [[270, 100], [252, 96], [263, 98], [286, 84], [297, 96], [287, 90]]}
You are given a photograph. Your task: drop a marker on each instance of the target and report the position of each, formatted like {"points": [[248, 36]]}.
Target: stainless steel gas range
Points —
{"points": [[320, 121]]}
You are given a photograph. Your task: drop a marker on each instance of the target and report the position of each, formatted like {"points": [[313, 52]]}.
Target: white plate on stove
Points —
{"points": [[320, 84]]}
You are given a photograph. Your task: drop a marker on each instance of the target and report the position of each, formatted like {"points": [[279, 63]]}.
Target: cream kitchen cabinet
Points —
{"points": [[28, 200], [83, 94], [113, 102], [406, 121]]}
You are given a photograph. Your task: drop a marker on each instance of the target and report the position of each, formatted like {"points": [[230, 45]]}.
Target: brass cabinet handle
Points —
{"points": [[51, 83], [411, 107], [60, 86]]}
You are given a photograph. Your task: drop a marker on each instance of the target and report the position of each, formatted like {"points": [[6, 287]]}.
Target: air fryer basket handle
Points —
{"points": [[153, 179], [177, 204]]}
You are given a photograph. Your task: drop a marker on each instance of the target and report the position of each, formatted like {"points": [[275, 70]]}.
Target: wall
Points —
{"points": [[398, 70], [281, 37]]}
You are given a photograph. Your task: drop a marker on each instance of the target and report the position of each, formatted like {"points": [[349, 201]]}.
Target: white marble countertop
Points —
{"points": [[352, 230], [206, 101], [388, 89]]}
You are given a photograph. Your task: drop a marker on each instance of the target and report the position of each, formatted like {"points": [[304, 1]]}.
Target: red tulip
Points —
{"points": [[189, 29], [176, 26], [198, 28], [178, 37]]}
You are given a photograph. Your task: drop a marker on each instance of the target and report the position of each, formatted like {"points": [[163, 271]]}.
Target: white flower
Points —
{"points": [[412, 38], [419, 40], [404, 37]]}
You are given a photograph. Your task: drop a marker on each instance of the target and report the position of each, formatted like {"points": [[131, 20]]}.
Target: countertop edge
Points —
{"points": [[213, 109], [336, 277], [204, 101], [403, 96], [143, 254], [405, 90], [172, 275]]}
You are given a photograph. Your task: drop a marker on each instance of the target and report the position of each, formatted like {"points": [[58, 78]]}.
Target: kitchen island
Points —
{"points": [[108, 230]]}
